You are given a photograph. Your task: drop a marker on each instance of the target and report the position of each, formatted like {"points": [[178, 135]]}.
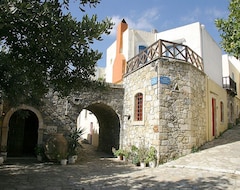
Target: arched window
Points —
{"points": [[138, 107]]}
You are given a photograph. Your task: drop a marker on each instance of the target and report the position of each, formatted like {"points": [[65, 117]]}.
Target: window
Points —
{"points": [[141, 48], [138, 107], [143, 56], [221, 111], [175, 51]]}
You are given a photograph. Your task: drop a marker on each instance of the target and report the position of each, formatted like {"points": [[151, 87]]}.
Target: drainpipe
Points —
{"points": [[202, 27], [207, 107], [158, 93]]}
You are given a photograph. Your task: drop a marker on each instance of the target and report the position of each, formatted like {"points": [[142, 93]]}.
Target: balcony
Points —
{"points": [[164, 49], [230, 85]]}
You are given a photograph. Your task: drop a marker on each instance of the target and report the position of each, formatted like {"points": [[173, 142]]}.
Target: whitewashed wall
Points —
{"points": [[198, 39], [110, 56]]}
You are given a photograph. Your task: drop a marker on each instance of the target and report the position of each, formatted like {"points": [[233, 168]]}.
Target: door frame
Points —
{"points": [[5, 126]]}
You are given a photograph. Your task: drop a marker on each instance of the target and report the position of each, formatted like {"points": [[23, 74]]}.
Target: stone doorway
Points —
{"points": [[23, 133], [109, 126]]}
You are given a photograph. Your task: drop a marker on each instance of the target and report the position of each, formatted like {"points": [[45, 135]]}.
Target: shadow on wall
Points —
{"points": [[109, 126]]}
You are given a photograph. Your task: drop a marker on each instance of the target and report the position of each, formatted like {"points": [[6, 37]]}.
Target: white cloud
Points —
{"points": [[209, 14], [193, 16], [116, 20], [216, 13], [143, 22]]}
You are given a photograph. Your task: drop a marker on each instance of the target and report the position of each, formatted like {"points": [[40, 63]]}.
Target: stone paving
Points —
{"points": [[216, 166]]}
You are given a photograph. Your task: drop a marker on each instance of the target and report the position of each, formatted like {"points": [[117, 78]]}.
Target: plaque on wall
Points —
{"points": [[165, 80], [154, 81]]}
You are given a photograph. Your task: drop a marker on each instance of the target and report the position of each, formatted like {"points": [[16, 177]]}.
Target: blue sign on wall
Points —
{"points": [[154, 81], [165, 80]]}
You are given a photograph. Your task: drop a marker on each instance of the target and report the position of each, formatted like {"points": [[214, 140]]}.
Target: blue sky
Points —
{"points": [[156, 14]]}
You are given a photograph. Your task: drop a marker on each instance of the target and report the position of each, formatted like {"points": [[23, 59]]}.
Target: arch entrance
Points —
{"points": [[109, 126], [22, 133]]}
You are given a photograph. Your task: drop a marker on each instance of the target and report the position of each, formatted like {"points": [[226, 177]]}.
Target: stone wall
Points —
{"points": [[59, 114], [233, 110], [106, 105], [174, 113]]}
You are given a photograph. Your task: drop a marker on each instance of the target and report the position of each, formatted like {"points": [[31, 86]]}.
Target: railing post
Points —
{"points": [[186, 52], [160, 48]]}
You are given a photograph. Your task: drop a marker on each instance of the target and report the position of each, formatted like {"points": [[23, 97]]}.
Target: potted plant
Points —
{"points": [[152, 157], [134, 155], [73, 143], [62, 158], [39, 151], [119, 153], [126, 156], [4, 152], [142, 153]]}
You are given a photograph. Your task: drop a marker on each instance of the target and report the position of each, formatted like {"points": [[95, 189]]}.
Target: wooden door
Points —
{"points": [[213, 117]]}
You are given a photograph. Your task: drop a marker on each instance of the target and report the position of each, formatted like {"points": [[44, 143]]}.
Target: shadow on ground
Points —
{"points": [[100, 173], [229, 136], [96, 170], [149, 183]]}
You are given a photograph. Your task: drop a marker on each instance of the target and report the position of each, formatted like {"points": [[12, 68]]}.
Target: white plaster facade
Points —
{"points": [[231, 68], [88, 121], [198, 39], [193, 35], [111, 54], [132, 39]]}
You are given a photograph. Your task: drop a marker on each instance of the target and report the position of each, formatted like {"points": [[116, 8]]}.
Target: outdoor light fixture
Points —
{"points": [[127, 116]]}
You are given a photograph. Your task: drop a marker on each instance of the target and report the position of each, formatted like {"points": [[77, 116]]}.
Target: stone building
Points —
{"points": [[175, 98], [169, 92], [166, 101]]}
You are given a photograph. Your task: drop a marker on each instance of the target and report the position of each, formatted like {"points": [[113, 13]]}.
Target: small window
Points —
{"points": [[141, 48], [144, 55], [175, 51], [221, 111], [138, 111]]}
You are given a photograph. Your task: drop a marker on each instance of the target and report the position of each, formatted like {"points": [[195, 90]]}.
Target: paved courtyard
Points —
{"points": [[217, 166]]}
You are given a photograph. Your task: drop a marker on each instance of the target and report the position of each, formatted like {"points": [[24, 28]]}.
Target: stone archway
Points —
{"points": [[22, 133], [109, 126], [6, 122]]}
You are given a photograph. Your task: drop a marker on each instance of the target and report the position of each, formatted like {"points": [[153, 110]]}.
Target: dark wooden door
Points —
{"points": [[22, 134]]}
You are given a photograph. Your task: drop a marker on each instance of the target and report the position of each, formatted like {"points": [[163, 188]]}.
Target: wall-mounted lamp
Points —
{"points": [[127, 116]]}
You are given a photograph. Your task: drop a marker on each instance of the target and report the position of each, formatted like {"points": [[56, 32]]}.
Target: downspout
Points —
{"points": [[207, 109], [207, 84], [201, 42], [158, 98]]}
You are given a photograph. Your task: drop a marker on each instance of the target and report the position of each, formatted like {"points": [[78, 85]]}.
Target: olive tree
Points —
{"points": [[230, 29], [42, 46]]}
